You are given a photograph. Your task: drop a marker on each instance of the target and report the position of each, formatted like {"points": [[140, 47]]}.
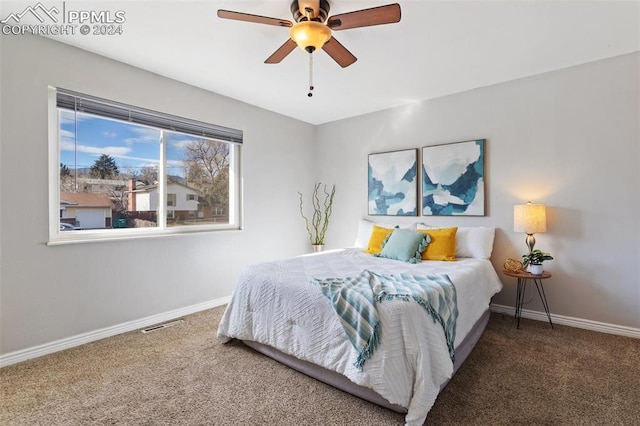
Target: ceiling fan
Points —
{"points": [[313, 27]]}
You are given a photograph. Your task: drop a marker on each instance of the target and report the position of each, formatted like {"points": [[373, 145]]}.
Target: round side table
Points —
{"points": [[523, 277]]}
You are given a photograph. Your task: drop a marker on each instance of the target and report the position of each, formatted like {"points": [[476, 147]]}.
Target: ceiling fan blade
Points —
{"points": [[247, 17], [339, 53], [366, 17], [282, 52], [309, 5]]}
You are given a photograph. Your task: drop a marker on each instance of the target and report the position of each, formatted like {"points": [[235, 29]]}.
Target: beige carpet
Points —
{"points": [[183, 376]]}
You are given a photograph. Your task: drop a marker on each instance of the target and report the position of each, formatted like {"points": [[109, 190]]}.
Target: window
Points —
{"points": [[121, 171]]}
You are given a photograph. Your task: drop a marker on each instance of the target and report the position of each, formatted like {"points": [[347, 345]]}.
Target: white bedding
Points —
{"points": [[275, 304]]}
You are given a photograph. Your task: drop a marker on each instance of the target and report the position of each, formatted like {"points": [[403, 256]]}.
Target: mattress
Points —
{"points": [[275, 304]]}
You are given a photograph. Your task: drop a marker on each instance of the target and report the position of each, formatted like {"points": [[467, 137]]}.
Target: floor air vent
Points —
{"points": [[161, 326]]}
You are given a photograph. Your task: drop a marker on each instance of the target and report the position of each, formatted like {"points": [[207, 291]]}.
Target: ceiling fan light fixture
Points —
{"points": [[310, 35]]}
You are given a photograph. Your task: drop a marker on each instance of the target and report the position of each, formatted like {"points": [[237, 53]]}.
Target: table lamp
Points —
{"points": [[530, 219]]}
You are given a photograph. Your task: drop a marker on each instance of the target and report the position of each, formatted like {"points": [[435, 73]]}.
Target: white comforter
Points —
{"points": [[275, 304]]}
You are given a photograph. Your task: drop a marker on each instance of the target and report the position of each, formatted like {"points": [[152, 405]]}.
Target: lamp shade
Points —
{"points": [[529, 218], [310, 35]]}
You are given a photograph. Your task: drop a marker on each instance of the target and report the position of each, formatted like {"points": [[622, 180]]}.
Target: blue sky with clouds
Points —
{"points": [[132, 146]]}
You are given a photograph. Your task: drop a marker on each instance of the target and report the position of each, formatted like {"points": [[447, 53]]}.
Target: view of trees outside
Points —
{"points": [[120, 161], [104, 167], [206, 167]]}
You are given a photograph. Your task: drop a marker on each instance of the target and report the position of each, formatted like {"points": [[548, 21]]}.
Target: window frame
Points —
{"points": [[57, 237]]}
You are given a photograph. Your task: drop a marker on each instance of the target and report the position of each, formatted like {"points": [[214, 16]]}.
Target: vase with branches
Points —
{"points": [[317, 224]]}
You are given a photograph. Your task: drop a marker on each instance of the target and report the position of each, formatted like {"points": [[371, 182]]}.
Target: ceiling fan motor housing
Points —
{"points": [[301, 15]]}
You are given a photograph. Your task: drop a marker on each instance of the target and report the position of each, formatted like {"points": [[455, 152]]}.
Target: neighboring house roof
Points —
{"points": [[84, 199]]}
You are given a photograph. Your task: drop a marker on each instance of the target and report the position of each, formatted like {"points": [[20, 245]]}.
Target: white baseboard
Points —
{"points": [[91, 336], [571, 322]]}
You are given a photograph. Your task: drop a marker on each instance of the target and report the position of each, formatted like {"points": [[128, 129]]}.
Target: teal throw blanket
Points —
{"points": [[354, 300]]}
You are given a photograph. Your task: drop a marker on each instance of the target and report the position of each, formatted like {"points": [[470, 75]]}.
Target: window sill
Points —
{"points": [[83, 237]]}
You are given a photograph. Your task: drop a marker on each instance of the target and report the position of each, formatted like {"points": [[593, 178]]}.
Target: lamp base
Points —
{"points": [[531, 242]]}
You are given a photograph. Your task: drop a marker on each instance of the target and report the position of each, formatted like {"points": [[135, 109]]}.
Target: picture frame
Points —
{"points": [[393, 183], [453, 179]]}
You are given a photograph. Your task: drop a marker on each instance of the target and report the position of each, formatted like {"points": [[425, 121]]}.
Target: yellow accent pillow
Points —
{"points": [[378, 237], [442, 245]]}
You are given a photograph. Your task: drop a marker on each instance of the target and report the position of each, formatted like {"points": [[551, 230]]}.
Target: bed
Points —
{"points": [[277, 310]]}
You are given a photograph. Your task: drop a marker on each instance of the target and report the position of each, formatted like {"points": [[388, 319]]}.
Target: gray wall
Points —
{"points": [[49, 293], [568, 139]]}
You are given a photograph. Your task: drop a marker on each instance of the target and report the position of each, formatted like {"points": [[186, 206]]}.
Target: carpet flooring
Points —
{"points": [[182, 375]]}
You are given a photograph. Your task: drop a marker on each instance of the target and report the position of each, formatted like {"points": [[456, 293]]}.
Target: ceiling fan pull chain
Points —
{"points": [[310, 94]]}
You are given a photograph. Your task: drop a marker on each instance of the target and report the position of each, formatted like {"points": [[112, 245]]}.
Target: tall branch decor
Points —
{"points": [[322, 208]]}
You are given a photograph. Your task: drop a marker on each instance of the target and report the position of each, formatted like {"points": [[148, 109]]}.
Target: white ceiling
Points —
{"points": [[438, 48]]}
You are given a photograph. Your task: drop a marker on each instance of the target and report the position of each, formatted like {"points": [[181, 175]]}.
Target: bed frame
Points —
{"points": [[341, 382]]}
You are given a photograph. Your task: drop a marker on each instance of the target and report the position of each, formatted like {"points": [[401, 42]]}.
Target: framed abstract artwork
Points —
{"points": [[393, 183], [453, 180]]}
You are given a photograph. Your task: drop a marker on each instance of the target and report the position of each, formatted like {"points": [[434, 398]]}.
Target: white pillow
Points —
{"points": [[475, 241], [365, 228], [472, 241]]}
